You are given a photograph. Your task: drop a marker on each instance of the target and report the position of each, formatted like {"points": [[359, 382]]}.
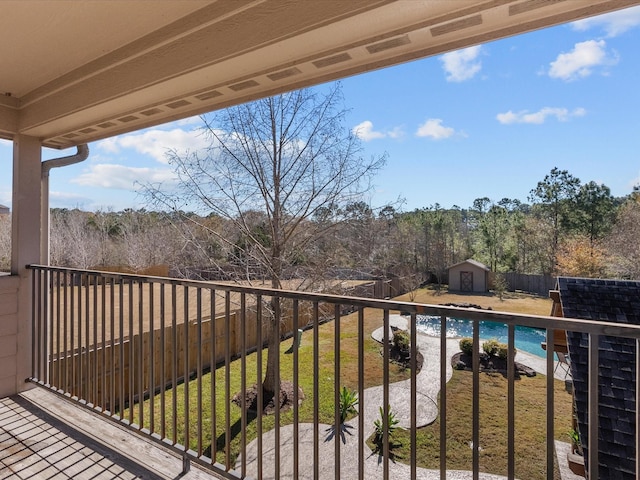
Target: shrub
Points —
{"points": [[503, 351], [402, 341], [348, 402], [466, 345], [491, 347]]}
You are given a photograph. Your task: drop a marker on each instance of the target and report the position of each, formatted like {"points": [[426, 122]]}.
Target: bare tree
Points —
{"points": [[106, 228], [73, 243], [147, 239], [273, 168], [622, 244]]}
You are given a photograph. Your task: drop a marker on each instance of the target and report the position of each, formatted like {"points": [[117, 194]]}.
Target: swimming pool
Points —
{"points": [[527, 339]]}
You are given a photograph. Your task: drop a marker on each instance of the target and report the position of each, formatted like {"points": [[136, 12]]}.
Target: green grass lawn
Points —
{"points": [[530, 426], [530, 402], [325, 379]]}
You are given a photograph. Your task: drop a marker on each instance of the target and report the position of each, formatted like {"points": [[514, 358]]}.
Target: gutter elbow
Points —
{"points": [[81, 155]]}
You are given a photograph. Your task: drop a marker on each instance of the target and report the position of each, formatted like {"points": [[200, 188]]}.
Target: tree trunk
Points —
{"points": [[271, 384]]}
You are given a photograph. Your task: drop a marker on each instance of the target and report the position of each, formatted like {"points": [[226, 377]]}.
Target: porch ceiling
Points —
{"points": [[77, 71]]}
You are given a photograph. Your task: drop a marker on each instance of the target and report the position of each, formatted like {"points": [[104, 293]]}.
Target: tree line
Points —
{"points": [[568, 228]]}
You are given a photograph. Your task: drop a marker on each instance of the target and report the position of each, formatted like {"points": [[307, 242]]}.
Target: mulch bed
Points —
{"points": [[490, 364], [403, 359], [269, 402]]}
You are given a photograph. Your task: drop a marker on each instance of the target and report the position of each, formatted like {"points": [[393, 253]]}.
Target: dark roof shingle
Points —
{"points": [[614, 301]]}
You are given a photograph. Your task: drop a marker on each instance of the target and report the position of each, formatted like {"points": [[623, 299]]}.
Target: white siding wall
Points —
{"points": [[8, 334]]}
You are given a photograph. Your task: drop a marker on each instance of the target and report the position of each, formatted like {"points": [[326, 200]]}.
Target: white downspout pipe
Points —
{"points": [[80, 156]]}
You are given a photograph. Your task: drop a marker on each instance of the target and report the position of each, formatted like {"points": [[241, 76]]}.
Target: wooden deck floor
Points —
{"points": [[45, 437]]}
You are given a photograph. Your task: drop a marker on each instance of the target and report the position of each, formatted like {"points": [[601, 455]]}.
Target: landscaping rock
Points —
{"points": [[465, 305], [462, 361]]}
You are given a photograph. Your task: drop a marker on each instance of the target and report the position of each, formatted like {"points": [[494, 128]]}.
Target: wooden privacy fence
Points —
{"points": [[92, 372], [109, 372], [538, 284], [378, 289]]}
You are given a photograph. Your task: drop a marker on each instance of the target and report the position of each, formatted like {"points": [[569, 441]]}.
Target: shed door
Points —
{"points": [[466, 281]]}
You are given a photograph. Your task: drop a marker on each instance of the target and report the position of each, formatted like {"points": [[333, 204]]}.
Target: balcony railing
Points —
{"points": [[128, 347]]}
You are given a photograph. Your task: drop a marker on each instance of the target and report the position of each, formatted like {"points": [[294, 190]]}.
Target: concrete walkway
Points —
{"points": [[428, 386]]}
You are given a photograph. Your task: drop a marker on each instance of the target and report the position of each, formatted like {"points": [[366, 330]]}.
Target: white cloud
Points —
{"points": [[524, 116], [67, 199], [396, 133], [434, 129], [156, 143], [614, 23], [581, 61], [66, 196], [462, 64], [121, 177], [109, 145], [364, 131], [189, 121]]}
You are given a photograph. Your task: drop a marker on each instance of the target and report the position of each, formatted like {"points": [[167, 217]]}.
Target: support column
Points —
{"points": [[26, 239]]}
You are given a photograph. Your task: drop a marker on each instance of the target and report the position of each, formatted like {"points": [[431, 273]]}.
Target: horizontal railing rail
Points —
{"points": [[182, 362]]}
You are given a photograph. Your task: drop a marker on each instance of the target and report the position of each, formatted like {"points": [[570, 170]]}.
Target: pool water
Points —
{"points": [[526, 339]]}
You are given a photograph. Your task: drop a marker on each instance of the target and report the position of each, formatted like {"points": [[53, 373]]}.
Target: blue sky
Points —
{"points": [[491, 120]]}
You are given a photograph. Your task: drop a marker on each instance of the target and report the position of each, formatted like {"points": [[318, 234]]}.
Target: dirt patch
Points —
{"points": [[284, 401], [490, 364]]}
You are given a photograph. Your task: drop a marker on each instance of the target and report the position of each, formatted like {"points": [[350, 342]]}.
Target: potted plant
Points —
{"points": [[576, 457]]}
